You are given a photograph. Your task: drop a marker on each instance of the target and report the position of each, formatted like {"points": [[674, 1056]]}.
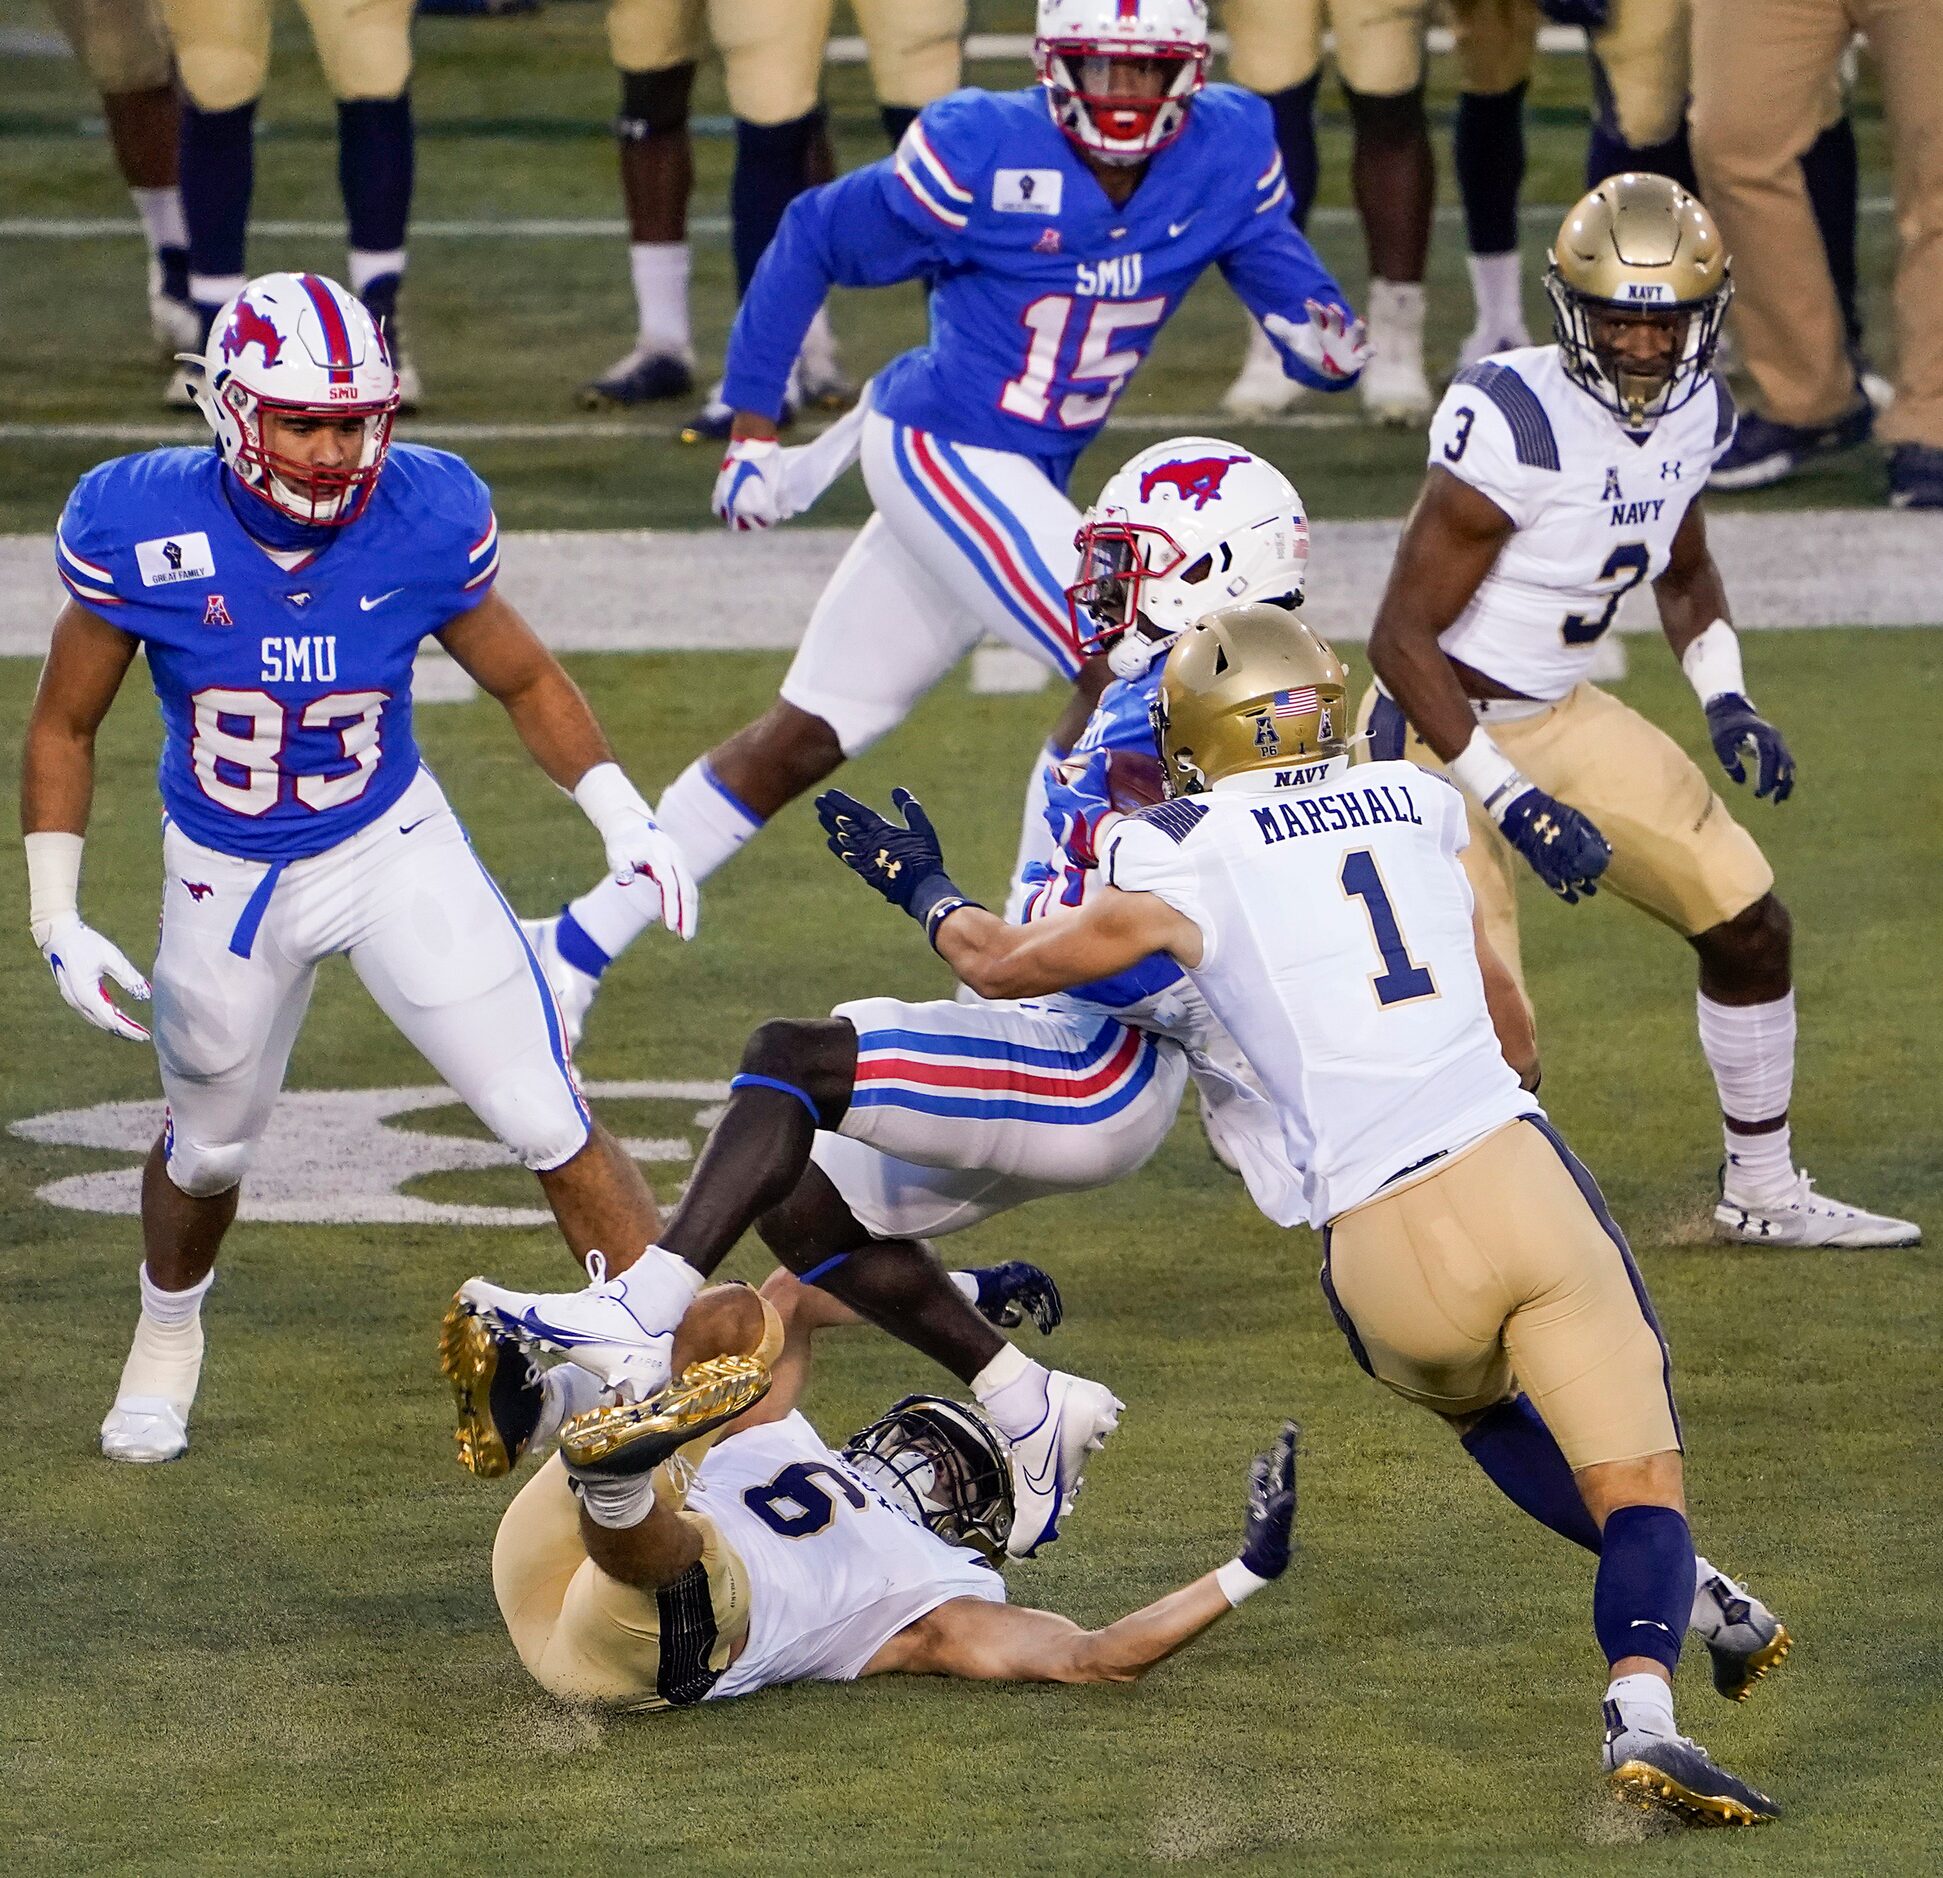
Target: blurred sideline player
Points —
{"points": [[772, 57], [706, 1543], [222, 56], [1323, 914], [1275, 49], [123, 49], [279, 586], [1062, 225], [1638, 54], [1562, 477]]}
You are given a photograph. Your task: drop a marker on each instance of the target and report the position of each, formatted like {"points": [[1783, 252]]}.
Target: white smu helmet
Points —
{"points": [[298, 345], [1078, 43], [1184, 528]]}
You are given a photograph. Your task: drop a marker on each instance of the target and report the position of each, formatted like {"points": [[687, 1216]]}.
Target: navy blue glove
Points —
{"points": [[904, 864], [1269, 1537], [1566, 852], [1010, 1293], [1735, 725], [1591, 14]]}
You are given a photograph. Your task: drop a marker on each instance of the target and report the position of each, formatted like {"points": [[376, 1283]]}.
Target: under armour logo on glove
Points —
{"points": [[886, 866], [1565, 850], [905, 865]]}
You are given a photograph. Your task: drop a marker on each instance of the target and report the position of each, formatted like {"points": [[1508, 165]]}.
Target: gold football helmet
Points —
{"points": [[1639, 285], [1250, 687]]}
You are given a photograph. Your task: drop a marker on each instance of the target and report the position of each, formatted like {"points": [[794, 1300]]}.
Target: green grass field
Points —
{"points": [[281, 1654]]}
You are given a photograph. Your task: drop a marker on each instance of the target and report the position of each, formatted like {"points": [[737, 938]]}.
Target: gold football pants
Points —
{"points": [[1677, 853], [222, 47], [121, 43], [1760, 71], [1379, 51], [1500, 1269], [772, 50]]}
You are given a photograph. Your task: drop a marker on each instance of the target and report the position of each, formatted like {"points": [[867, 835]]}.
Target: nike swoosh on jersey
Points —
{"points": [[367, 601], [1180, 227], [405, 828]]}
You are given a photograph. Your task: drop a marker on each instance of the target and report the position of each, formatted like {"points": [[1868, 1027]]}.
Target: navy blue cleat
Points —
{"points": [[1764, 452], [645, 376], [1669, 1773]]}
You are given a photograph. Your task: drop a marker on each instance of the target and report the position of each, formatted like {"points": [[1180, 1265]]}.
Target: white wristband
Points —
{"points": [[1482, 770], [1713, 663], [53, 880], [605, 793], [1238, 1582]]}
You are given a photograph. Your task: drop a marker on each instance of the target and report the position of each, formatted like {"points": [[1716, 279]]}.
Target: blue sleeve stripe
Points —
{"points": [[1175, 819], [1725, 416], [1531, 429]]}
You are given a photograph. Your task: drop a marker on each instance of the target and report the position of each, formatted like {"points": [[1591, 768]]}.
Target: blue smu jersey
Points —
{"points": [[286, 697], [1045, 297], [1078, 799]]}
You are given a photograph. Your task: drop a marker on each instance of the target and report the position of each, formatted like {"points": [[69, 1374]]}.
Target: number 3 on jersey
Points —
{"points": [[1099, 361], [1626, 564], [241, 735]]}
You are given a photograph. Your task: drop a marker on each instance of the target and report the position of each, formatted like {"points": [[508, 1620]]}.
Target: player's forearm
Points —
{"points": [[554, 721], [1125, 1650], [1405, 655], [1690, 600], [1000, 961], [56, 778]]}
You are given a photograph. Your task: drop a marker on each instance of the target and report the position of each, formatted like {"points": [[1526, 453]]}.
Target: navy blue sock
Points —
{"points": [[1832, 173], [1607, 154], [174, 263], [216, 173], [1642, 1598], [897, 119], [1516, 1450], [1294, 111], [374, 170], [1488, 153], [770, 161]]}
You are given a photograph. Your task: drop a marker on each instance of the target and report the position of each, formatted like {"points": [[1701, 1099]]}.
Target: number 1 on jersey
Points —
{"points": [[1402, 978]]}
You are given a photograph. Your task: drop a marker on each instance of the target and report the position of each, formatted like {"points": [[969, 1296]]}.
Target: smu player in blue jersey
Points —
{"points": [[280, 585], [1059, 227]]}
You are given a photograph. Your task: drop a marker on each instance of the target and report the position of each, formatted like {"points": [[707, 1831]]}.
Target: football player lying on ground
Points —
{"points": [[704, 1543], [1323, 914], [1561, 477], [1059, 227], [280, 585]]}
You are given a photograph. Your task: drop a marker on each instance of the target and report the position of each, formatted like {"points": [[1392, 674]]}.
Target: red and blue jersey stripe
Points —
{"points": [[993, 1079]]}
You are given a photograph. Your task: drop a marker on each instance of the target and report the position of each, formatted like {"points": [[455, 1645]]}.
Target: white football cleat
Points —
{"points": [[1800, 1216], [144, 1428], [1049, 1460], [1744, 1638], [622, 1329], [1482, 341], [1261, 388], [176, 324], [1393, 385], [573, 989]]}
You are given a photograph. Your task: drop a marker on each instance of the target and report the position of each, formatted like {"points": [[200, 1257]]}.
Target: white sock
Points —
{"points": [[367, 266], [165, 1359], [1644, 1702], [566, 1390], [818, 351], [1706, 1613], [1751, 1050], [968, 1289], [1012, 1390], [1497, 288], [1035, 833], [173, 1310], [215, 290], [615, 1502], [660, 270], [161, 213], [707, 823]]}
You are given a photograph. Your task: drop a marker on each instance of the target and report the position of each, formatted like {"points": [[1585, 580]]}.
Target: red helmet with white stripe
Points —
{"points": [[298, 345], [1086, 52]]}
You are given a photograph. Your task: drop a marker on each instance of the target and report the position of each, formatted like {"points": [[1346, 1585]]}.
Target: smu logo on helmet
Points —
{"points": [[1198, 479], [247, 327]]}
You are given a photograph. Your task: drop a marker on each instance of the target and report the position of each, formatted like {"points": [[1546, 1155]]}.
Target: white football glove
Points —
{"points": [[637, 844], [749, 491], [1328, 341], [80, 958]]}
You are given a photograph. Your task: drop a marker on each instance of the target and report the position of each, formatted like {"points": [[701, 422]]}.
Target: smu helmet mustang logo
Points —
{"points": [[1198, 479], [248, 327]]}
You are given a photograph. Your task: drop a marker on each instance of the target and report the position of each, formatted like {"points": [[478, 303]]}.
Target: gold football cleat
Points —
{"points": [[495, 1389], [1753, 1668], [631, 1437]]}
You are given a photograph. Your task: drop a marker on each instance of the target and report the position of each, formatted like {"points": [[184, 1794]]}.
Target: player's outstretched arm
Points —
{"points": [[1511, 1016], [1112, 932], [558, 727], [1692, 599], [999, 1643], [85, 666]]}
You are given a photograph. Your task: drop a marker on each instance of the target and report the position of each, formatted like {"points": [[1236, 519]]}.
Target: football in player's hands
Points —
{"points": [[1268, 1541], [1133, 781], [1564, 848], [1010, 1293], [1735, 725]]}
